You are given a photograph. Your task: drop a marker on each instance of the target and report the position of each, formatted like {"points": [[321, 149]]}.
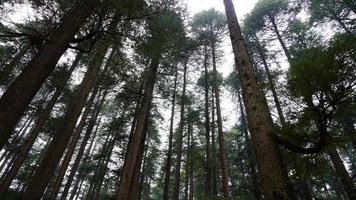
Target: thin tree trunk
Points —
{"points": [[75, 138], [251, 159], [25, 149], [170, 143], [191, 164], [213, 146], [26, 85], [272, 85], [102, 170], [83, 144], [180, 136], [142, 178], [342, 173], [62, 134], [222, 154], [137, 139], [187, 166], [273, 179], [75, 188], [279, 37], [208, 179], [8, 68]]}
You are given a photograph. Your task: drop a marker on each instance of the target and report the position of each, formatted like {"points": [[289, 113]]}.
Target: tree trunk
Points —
{"points": [[213, 146], [25, 149], [75, 138], [191, 164], [62, 134], [102, 170], [9, 68], [208, 179], [180, 135], [251, 160], [279, 37], [170, 143], [187, 166], [142, 177], [137, 139], [273, 179], [342, 173], [26, 85], [271, 85], [222, 154]]}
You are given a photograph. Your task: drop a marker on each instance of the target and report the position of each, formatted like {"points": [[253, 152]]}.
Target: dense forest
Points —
{"points": [[131, 100]]}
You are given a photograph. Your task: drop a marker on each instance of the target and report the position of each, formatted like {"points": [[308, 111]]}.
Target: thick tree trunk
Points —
{"points": [[222, 154], [62, 134], [26, 85], [5, 184], [273, 179], [170, 143], [208, 179], [128, 181], [342, 173], [180, 135], [251, 160]]}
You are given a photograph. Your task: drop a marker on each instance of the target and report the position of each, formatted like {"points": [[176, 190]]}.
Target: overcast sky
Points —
{"points": [[242, 8]]}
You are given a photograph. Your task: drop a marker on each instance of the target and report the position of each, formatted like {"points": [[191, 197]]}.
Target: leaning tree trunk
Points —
{"points": [[251, 160], [170, 143], [75, 138], [279, 37], [134, 149], [273, 179], [26, 85], [62, 134], [222, 154], [25, 149], [208, 179], [180, 135], [271, 85], [342, 173], [9, 67]]}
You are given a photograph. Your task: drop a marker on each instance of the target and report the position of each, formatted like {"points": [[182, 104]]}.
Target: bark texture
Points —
{"points": [[128, 181], [62, 134], [18, 96], [273, 180], [25, 149]]}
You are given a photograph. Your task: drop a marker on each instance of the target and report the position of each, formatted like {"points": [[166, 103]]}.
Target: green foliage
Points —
{"points": [[209, 26], [325, 71]]}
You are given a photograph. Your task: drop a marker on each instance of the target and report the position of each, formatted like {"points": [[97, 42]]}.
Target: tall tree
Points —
{"points": [[26, 85], [273, 180], [179, 141]]}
